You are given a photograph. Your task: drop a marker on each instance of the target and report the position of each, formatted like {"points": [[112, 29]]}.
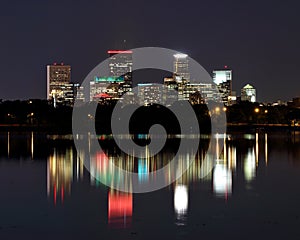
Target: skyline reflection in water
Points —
{"points": [[62, 163], [120, 205], [237, 165]]}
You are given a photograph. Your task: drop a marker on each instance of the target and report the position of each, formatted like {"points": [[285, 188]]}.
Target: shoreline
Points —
{"points": [[231, 128]]}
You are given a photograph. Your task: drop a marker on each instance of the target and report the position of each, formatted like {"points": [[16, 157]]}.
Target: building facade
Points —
{"points": [[171, 90], [119, 79], [110, 87], [181, 73], [223, 79], [58, 81], [200, 93], [248, 93], [120, 65], [72, 91], [181, 66], [151, 93]]}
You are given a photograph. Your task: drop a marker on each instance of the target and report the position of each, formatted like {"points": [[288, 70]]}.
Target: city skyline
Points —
{"points": [[262, 47], [61, 89], [119, 80], [212, 73]]}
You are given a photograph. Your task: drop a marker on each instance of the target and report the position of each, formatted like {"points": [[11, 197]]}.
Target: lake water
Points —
{"points": [[253, 191]]}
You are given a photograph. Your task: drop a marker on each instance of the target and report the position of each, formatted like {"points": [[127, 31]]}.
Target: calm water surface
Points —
{"points": [[253, 192]]}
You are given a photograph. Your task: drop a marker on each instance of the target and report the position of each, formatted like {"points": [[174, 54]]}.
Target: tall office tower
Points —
{"points": [[223, 79], [120, 65], [248, 93], [181, 73], [181, 66], [58, 76]]}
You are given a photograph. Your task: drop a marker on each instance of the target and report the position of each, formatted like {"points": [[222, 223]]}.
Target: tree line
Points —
{"points": [[40, 114]]}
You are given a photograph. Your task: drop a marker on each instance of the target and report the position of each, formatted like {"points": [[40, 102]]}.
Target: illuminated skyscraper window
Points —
{"points": [[223, 79]]}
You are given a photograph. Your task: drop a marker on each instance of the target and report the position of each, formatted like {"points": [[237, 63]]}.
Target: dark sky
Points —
{"points": [[258, 39]]}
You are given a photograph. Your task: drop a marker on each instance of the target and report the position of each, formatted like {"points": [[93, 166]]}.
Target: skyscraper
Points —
{"points": [[120, 62], [181, 73], [119, 79], [120, 65], [181, 66], [248, 93], [223, 79], [58, 76]]}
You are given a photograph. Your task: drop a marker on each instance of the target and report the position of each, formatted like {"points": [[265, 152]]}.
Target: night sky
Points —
{"points": [[258, 39]]}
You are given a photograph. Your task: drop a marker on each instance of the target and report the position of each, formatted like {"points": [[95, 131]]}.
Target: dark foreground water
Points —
{"points": [[253, 192]]}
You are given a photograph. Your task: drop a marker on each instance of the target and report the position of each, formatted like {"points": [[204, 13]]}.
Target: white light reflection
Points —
{"points": [[229, 154], [256, 149], [249, 136], [8, 144], [89, 141], [79, 165], [232, 157], [31, 145], [250, 165], [181, 200], [266, 148], [217, 146], [225, 149], [222, 181]]}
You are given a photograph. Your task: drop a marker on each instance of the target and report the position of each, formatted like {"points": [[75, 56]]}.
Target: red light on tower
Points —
{"points": [[225, 66], [118, 51]]}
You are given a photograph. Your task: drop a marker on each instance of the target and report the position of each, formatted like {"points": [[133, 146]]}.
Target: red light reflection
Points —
{"points": [[120, 207]]}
